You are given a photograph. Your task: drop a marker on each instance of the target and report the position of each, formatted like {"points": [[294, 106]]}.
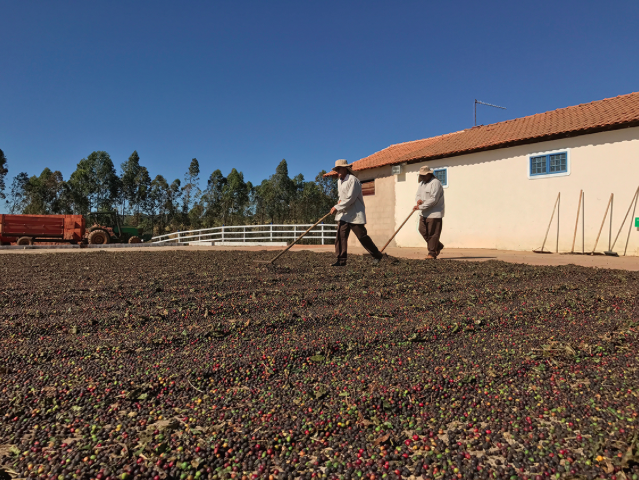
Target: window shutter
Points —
{"points": [[368, 187]]}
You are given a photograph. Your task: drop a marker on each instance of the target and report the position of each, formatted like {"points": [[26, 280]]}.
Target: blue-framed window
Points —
{"points": [[549, 164], [442, 175]]}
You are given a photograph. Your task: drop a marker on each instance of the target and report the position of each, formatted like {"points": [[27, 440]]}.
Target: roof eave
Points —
{"points": [[525, 141]]}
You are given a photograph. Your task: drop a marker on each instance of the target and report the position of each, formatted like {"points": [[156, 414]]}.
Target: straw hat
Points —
{"points": [[343, 164], [425, 170]]}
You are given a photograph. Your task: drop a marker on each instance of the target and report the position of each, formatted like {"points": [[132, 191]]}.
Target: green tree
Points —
{"points": [[312, 200], [46, 194], [191, 190], [174, 193], [3, 172], [235, 198], [130, 170], [195, 216], [274, 196], [328, 188], [297, 206], [161, 204], [212, 198], [143, 185], [262, 204], [95, 184], [16, 202], [154, 205], [284, 190], [135, 182]]}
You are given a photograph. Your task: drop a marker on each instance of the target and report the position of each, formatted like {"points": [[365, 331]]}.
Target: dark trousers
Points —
{"points": [[341, 240], [431, 230]]}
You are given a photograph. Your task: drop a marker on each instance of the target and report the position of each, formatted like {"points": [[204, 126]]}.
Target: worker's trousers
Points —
{"points": [[341, 241], [431, 230]]}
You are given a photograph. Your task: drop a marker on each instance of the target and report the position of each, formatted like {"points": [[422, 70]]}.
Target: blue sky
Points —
{"points": [[246, 83]]}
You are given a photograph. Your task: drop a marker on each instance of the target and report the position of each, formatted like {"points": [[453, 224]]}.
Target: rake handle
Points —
{"points": [[572, 250], [550, 223], [299, 238], [397, 231], [630, 224], [602, 223], [624, 218]]}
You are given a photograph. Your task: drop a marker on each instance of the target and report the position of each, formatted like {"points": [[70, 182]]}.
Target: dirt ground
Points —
{"points": [[198, 363], [469, 254]]}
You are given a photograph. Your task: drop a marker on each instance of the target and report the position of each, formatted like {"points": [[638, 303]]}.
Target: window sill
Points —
{"points": [[548, 175]]}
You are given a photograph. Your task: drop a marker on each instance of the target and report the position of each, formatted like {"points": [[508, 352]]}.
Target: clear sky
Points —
{"points": [[246, 83]]}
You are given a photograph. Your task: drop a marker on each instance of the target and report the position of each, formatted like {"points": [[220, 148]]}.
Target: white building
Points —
{"points": [[502, 180]]}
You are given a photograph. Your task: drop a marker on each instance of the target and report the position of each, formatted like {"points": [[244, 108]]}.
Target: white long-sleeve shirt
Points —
{"points": [[432, 196], [350, 208]]}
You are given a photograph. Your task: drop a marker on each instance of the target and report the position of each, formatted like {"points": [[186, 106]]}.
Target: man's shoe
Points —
{"points": [[337, 264], [430, 257]]}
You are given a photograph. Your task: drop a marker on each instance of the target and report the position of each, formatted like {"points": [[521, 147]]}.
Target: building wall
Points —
{"points": [[380, 208], [492, 203]]}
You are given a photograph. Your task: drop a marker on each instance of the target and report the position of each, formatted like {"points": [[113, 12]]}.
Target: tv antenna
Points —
{"points": [[484, 103]]}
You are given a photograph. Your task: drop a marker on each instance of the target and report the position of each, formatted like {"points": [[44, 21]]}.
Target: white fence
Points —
{"points": [[252, 234]]}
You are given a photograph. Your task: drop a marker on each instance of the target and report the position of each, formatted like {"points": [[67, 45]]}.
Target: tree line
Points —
{"points": [[160, 206]]}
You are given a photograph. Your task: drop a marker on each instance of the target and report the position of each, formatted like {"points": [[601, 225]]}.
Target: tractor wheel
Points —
{"points": [[98, 237], [135, 240], [25, 241]]}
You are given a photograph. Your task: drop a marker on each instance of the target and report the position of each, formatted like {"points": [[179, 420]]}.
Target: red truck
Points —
{"points": [[27, 229]]}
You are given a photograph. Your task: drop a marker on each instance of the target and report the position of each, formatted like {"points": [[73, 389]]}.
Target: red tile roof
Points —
{"points": [[608, 114], [390, 154]]}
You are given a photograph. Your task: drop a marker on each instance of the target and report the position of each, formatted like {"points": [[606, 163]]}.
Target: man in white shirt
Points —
{"points": [[351, 214], [430, 202]]}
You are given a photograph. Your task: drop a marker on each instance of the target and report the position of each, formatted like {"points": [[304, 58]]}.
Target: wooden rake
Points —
{"points": [[397, 231], [269, 262], [548, 229]]}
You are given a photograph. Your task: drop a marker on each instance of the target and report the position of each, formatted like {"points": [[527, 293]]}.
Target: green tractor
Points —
{"points": [[106, 227]]}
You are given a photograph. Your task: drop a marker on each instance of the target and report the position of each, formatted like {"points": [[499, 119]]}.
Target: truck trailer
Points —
{"points": [[29, 229]]}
